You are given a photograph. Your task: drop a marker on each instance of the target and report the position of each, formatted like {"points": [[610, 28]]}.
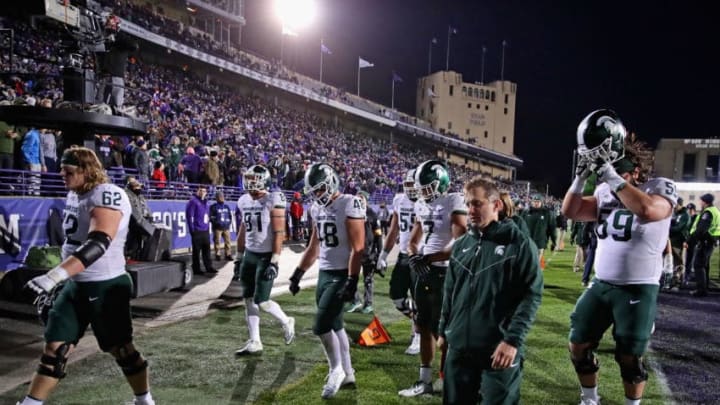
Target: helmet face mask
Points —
{"points": [[321, 183], [601, 138], [409, 185], [431, 180], [256, 178]]}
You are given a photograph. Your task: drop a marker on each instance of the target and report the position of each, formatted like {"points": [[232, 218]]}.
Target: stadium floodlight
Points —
{"points": [[295, 14]]}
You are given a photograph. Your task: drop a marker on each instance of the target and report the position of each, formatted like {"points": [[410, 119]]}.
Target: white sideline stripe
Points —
{"points": [[662, 379]]}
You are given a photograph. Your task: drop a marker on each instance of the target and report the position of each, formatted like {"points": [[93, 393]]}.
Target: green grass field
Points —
{"points": [[192, 362]]}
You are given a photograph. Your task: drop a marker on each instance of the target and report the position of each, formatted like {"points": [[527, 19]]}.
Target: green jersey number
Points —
{"points": [[428, 227], [406, 221], [247, 218], [619, 226], [111, 198], [327, 234]]}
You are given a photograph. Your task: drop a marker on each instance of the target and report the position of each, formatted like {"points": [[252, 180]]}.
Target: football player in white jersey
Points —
{"points": [[337, 241], [633, 216], [401, 223], [440, 218], [96, 290], [261, 232]]}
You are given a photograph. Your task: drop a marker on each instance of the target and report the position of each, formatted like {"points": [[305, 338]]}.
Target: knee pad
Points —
{"points": [[406, 306], [265, 305], [632, 368], [57, 362], [587, 363], [128, 362]]}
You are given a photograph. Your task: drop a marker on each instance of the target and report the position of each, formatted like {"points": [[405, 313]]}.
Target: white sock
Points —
{"points": [[344, 351], [147, 397], [590, 392], [252, 317], [332, 349], [30, 401], [629, 401], [426, 374], [273, 308]]}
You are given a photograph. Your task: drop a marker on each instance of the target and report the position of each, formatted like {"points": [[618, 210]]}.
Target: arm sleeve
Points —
{"points": [[531, 283]]}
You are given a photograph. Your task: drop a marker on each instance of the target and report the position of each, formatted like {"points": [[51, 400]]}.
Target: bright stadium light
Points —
{"points": [[295, 14]]}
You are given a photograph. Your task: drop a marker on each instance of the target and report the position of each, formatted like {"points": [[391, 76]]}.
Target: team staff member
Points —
{"points": [[633, 218], [221, 219], [196, 213], [260, 238], [97, 289], [439, 219], [401, 224], [679, 232], [541, 223], [704, 232], [494, 265], [337, 240]]}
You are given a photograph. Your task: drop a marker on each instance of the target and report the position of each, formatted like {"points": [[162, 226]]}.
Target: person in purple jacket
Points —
{"points": [[191, 165], [198, 220]]}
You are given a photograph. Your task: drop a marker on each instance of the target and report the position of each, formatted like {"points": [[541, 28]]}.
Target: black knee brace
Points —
{"points": [[632, 368], [57, 362], [129, 363], [587, 363]]}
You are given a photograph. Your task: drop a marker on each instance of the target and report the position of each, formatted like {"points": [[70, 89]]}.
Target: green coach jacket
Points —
{"points": [[492, 290]]}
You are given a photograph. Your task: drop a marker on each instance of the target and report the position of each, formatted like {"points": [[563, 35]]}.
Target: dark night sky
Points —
{"points": [[654, 62]]}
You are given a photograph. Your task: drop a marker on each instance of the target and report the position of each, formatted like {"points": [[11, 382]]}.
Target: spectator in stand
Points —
{"points": [[198, 219], [212, 170], [221, 219], [103, 148], [296, 213], [174, 156], [190, 166], [8, 135], [159, 180], [141, 160], [111, 65], [33, 159]]}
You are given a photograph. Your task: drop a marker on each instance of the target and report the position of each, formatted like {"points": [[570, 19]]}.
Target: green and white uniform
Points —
{"points": [[259, 236], [435, 218], [628, 265], [331, 230], [100, 294], [400, 280]]}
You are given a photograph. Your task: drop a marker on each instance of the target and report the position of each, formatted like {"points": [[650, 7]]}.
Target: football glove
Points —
{"points": [[419, 264], [46, 283], [608, 174], [347, 292], [295, 281], [584, 167], [271, 271], [238, 266], [381, 264]]}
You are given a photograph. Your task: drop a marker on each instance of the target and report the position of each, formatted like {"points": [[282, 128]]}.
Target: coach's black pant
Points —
{"points": [[201, 244], [701, 264]]}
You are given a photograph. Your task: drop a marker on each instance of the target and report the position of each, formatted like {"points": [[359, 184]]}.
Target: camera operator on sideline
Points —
{"points": [[111, 65]]}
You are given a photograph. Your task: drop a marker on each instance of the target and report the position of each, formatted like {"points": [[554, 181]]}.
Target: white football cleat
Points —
{"points": [[419, 388], [143, 402], [251, 347], [588, 401], [349, 380], [414, 347], [289, 330], [334, 379]]}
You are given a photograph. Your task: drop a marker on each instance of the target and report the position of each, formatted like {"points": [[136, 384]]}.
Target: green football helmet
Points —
{"points": [[432, 180], [409, 185], [321, 183], [601, 137], [257, 178]]}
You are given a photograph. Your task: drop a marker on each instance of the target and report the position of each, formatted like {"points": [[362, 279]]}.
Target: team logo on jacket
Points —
{"points": [[500, 250]]}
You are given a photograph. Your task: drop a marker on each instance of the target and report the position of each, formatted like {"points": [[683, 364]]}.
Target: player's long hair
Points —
{"points": [[87, 160], [640, 155]]}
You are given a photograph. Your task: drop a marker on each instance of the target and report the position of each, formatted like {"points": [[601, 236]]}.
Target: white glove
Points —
{"points": [[607, 174], [45, 283], [382, 261], [583, 170], [668, 264]]}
